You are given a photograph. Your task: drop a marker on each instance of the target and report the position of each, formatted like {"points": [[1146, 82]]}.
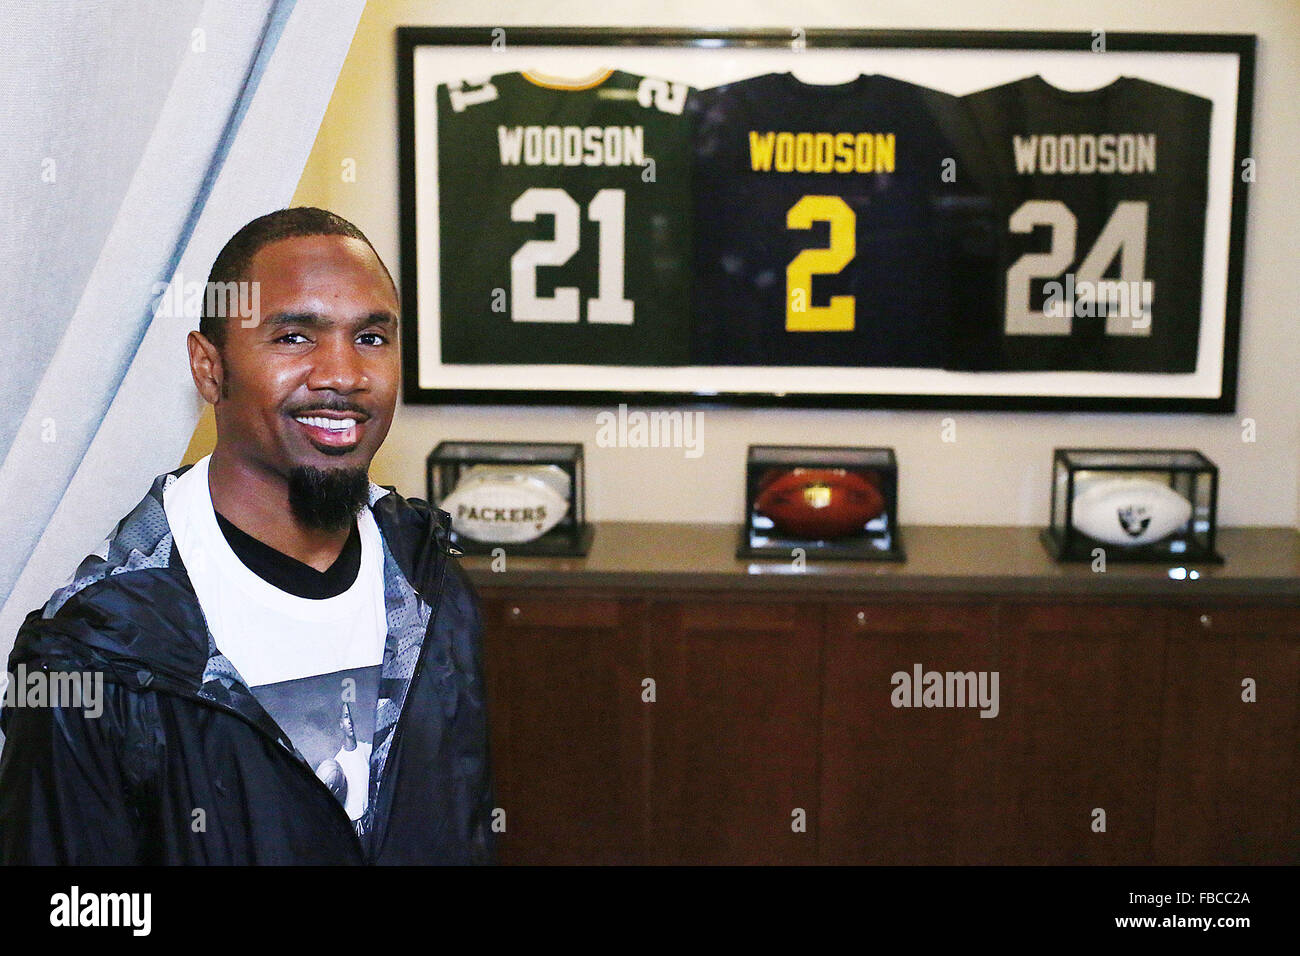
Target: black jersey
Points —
{"points": [[1101, 216], [824, 222], [564, 227]]}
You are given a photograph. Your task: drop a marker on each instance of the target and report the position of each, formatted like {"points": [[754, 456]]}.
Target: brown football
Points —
{"points": [[819, 503]]}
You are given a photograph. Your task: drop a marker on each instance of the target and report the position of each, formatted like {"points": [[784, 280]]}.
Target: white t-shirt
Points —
{"points": [[301, 657]]}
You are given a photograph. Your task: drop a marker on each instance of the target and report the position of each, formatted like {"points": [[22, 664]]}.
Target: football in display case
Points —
{"points": [[527, 497], [831, 502], [1135, 504]]}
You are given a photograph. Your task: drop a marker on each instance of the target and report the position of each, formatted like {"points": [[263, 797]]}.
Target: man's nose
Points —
{"points": [[338, 365]]}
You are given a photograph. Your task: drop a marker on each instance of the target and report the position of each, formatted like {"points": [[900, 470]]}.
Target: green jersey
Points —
{"points": [[564, 212]]}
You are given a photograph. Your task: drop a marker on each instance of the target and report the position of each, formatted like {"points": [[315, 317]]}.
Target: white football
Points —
{"points": [[505, 506], [553, 475], [1129, 511]]}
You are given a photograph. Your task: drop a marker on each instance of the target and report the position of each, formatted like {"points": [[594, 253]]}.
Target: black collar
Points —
{"points": [[290, 574]]}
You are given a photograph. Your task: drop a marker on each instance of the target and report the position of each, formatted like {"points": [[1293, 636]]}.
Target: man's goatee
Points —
{"points": [[327, 498]]}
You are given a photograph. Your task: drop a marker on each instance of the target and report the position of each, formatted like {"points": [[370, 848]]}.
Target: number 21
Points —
{"points": [[606, 210]]}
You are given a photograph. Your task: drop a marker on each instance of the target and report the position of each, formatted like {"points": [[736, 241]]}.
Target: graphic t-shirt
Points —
{"points": [[308, 643], [1101, 228], [564, 220], [831, 222]]}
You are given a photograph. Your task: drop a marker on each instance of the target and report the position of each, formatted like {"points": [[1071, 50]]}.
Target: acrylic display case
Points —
{"points": [[1136, 504], [829, 502], [525, 497]]}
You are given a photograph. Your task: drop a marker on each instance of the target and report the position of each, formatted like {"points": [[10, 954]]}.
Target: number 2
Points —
{"points": [[800, 314]]}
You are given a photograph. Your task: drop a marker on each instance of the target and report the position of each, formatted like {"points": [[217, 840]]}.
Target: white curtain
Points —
{"points": [[138, 136]]}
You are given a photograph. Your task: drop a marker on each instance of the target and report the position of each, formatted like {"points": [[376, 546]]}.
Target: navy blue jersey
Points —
{"points": [[831, 221], [1101, 228]]}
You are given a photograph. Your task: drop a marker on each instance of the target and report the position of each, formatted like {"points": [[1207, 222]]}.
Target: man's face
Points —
{"points": [[325, 348]]}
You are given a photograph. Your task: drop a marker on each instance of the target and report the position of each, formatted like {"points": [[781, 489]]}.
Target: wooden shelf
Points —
{"points": [[1260, 562]]}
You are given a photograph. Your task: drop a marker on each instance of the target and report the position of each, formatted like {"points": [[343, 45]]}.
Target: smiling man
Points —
{"points": [[251, 598]]}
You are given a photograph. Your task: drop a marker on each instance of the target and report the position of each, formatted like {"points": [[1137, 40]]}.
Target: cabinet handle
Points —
{"points": [[514, 611], [862, 619], [1206, 621]]}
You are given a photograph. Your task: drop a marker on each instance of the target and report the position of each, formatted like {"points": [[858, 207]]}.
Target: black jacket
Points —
{"points": [[185, 766]]}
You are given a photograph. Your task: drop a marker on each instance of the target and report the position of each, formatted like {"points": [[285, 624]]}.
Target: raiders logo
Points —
{"points": [[1135, 520]]}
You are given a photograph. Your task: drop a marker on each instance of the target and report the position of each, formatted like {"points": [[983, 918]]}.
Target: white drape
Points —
{"points": [[138, 136]]}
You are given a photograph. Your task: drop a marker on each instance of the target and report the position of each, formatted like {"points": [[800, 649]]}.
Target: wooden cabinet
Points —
{"points": [[1227, 777], [907, 784], [734, 731], [1084, 685], [660, 724], [563, 675]]}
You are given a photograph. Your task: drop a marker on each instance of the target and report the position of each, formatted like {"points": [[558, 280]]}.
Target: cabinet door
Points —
{"points": [[1082, 694], [563, 675], [734, 731], [907, 784], [1229, 767]]}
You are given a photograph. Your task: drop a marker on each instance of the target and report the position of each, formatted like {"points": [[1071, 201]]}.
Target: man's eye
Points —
{"points": [[290, 335], [373, 335]]}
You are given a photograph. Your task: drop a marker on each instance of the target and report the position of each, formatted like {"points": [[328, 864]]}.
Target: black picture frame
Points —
{"points": [[409, 39]]}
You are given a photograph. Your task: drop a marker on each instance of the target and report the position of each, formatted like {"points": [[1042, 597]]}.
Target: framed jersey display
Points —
{"points": [[871, 219]]}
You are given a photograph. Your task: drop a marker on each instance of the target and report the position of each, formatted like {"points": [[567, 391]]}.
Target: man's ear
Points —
{"points": [[206, 367]]}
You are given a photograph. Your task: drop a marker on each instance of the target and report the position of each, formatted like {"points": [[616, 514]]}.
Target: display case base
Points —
{"points": [[548, 546], [825, 551], [1140, 555]]}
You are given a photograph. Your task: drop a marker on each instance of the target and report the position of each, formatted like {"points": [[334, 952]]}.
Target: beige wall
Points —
{"points": [[996, 472]]}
